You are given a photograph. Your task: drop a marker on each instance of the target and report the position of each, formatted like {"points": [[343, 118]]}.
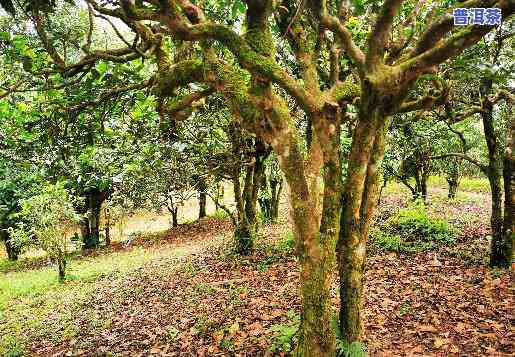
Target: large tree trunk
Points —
{"points": [[360, 201], [315, 249]]}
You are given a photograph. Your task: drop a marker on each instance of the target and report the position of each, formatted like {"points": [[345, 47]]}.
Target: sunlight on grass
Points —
{"points": [[31, 283], [469, 184]]}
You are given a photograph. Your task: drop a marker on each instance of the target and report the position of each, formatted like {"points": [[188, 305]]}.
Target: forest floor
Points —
{"points": [[182, 292]]}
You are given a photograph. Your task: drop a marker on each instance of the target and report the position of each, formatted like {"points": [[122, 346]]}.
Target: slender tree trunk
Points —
{"points": [[175, 213], [219, 195], [360, 201], [453, 186], [497, 257], [202, 199], [107, 226], [423, 182], [276, 187], [61, 266]]}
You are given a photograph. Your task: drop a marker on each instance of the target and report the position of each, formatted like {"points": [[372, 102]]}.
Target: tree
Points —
{"points": [[47, 220]]}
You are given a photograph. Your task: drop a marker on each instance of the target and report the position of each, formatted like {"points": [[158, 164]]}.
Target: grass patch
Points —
{"points": [[220, 215]]}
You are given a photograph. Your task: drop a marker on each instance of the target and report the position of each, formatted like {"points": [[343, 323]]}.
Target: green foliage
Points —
{"points": [[284, 335], [412, 229], [220, 215], [468, 184]]}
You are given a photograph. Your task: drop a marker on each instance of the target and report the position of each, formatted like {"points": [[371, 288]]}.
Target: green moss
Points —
{"points": [[261, 41], [346, 90], [182, 73]]}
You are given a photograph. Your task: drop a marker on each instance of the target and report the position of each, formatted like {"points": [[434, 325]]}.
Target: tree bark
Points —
{"points": [[276, 188], [453, 186], [175, 213], [61, 266], [90, 225], [107, 226]]}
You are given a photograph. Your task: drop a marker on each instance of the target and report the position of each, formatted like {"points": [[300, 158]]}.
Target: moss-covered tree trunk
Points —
{"points": [[359, 202], [246, 198], [317, 227], [500, 255]]}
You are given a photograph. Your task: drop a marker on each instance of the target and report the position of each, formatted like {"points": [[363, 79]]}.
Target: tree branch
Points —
{"points": [[377, 40], [482, 167]]}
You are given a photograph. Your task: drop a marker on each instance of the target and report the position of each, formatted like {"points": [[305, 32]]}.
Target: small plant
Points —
{"points": [[173, 334], [46, 221], [405, 308], [11, 347], [283, 335]]}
